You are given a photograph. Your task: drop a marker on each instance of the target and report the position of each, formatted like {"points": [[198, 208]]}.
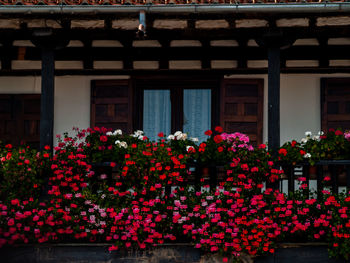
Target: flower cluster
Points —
{"points": [[146, 195], [331, 146]]}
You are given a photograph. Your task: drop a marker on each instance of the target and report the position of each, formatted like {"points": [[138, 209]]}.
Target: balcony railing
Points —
{"points": [[336, 173]]}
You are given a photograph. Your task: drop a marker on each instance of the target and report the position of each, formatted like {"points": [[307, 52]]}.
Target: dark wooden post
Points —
{"points": [[274, 97], [48, 42], [319, 181], [347, 167], [334, 178], [47, 97], [274, 40], [306, 174]]}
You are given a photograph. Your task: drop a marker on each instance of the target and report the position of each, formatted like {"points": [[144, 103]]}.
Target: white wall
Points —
{"points": [[72, 97], [300, 100], [299, 104]]}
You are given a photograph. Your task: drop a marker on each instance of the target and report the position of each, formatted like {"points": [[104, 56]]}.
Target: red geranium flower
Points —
{"points": [[208, 133], [103, 138], [338, 132], [217, 138], [219, 129], [283, 152]]}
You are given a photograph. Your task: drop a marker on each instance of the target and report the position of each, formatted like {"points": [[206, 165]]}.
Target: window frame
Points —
{"points": [[327, 83], [18, 115], [176, 85]]}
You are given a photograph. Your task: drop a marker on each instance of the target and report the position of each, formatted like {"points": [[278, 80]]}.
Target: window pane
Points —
{"points": [[197, 112], [156, 113]]}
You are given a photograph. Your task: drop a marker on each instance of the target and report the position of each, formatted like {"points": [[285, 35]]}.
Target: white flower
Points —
{"points": [[304, 140], [121, 144], [307, 155], [124, 145], [308, 134], [177, 133], [316, 137], [194, 139], [109, 133], [171, 137], [137, 133], [320, 133], [182, 136], [117, 132]]}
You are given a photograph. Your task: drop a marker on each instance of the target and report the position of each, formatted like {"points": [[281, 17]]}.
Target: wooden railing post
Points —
{"points": [[197, 178], [306, 174], [347, 167], [319, 174], [334, 178], [213, 177], [290, 174]]}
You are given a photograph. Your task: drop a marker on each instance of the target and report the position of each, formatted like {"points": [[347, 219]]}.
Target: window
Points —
{"points": [[335, 103], [168, 104], [196, 107], [20, 119], [156, 112], [176, 104]]}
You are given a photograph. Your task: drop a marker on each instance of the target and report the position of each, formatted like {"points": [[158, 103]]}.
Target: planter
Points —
{"points": [[296, 252], [84, 253]]}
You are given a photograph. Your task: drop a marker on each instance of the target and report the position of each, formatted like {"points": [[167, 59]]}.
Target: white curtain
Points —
{"points": [[156, 113], [197, 112]]}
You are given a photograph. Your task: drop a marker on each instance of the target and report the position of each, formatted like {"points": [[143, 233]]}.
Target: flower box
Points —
{"points": [[186, 253]]}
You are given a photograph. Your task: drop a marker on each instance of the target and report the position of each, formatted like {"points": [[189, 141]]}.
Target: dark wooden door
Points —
{"points": [[20, 119], [242, 107], [335, 103], [111, 105]]}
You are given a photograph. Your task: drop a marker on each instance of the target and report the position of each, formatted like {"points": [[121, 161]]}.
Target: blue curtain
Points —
{"points": [[156, 113], [197, 112]]}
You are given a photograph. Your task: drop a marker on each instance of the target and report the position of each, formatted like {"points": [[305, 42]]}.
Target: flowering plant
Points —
{"points": [[21, 172], [332, 145], [220, 147], [291, 153], [335, 145], [151, 199]]}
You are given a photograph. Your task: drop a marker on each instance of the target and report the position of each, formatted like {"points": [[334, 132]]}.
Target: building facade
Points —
{"points": [[271, 70]]}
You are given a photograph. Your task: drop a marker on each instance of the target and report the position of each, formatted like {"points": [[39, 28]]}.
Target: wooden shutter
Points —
{"points": [[335, 103], [20, 119], [111, 105], [242, 107]]}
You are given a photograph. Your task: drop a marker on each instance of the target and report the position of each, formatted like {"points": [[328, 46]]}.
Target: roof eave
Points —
{"points": [[180, 9]]}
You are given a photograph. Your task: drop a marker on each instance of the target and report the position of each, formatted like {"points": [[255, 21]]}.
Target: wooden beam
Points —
{"points": [[47, 41], [163, 61], [47, 97], [242, 60], [6, 54], [323, 60], [206, 63], [273, 97], [88, 60], [127, 61]]}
